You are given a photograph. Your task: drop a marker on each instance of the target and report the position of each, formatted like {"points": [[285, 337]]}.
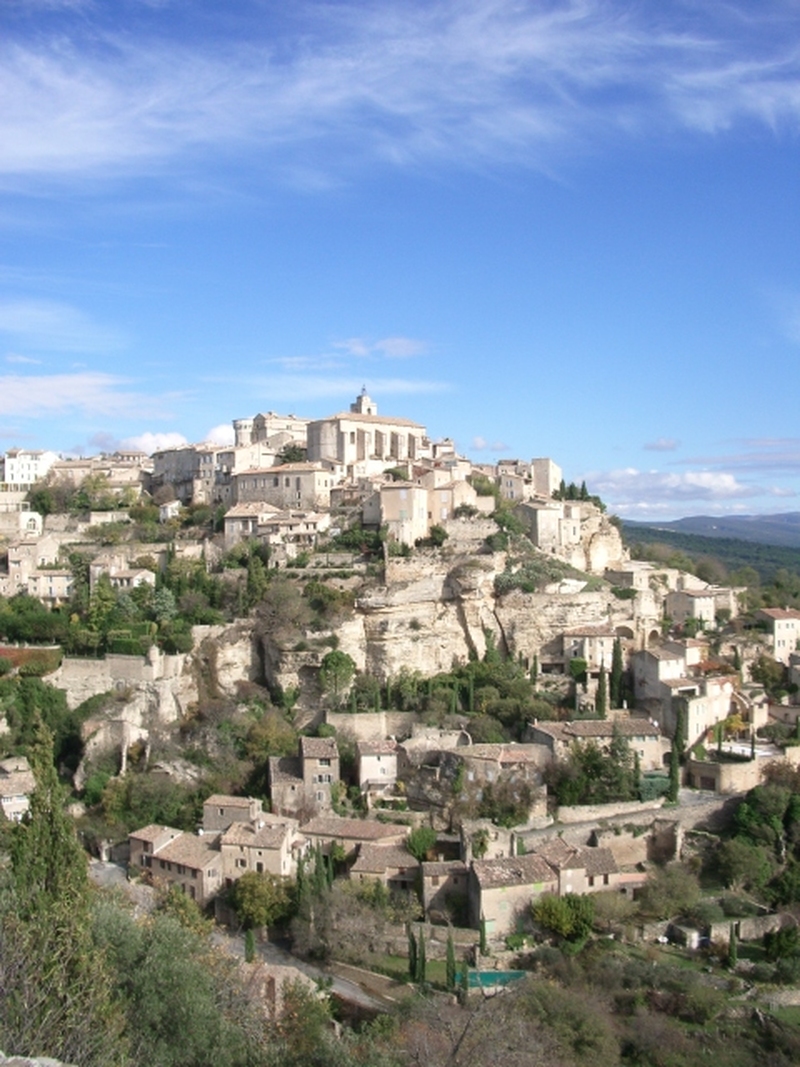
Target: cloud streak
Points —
{"points": [[46, 325], [88, 392], [465, 81], [632, 491], [288, 387]]}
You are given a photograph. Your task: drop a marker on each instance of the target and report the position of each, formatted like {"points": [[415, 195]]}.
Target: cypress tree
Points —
{"points": [[249, 946], [57, 993], [733, 948], [422, 963], [451, 962], [674, 773], [412, 954], [616, 675], [535, 670], [463, 991], [601, 699], [471, 694]]}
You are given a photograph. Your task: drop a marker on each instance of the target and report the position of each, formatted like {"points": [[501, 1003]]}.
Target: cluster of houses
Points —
{"points": [[492, 881]]}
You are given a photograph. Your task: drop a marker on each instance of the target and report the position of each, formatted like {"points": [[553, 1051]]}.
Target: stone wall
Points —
{"points": [[373, 725], [601, 812], [84, 678]]}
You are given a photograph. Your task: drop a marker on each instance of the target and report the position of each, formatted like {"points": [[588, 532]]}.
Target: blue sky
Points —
{"points": [[553, 227]]}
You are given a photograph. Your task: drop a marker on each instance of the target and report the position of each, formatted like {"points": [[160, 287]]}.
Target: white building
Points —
{"points": [[23, 467]]}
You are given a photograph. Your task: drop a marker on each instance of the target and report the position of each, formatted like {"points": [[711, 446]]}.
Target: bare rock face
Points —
{"points": [[532, 621]]}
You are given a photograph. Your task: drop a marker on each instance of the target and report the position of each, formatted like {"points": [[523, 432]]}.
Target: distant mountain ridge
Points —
{"points": [[781, 530]]}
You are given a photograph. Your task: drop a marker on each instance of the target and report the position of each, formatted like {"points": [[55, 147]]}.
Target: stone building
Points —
{"points": [[364, 442]]}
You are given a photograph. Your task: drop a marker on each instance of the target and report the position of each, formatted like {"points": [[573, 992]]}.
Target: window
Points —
{"points": [[320, 795], [435, 879], [324, 762], [241, 862]]}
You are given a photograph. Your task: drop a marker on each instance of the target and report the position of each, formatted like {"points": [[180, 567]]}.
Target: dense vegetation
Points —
{"points": [[771, 573]]}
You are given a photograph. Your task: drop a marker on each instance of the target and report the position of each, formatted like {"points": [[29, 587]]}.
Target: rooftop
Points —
{"points": [[513, 871], [352, 829], [375, 859], [319, 748]]}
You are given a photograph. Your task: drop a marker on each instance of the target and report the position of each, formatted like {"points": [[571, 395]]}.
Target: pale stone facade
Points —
{"points": [[22, 467], [16, 785], [364, 442], [288, 486], [784, 628]]}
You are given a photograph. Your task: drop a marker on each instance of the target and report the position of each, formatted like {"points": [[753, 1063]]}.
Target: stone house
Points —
{"points": [[221, 811], [404, 511], [302, 784], [298, 486], [695, 604], [271, 429], [328, 830], [783, 625], [593, 643], [501, 890], [364, 442], [377, 766], [190, 470], [16, 785], [392, 865], [445, 885], [663, 681], [643, 736], [52, 587], [294, 530], [21, 468], [581, 870], [270, 845], [175, 858]]}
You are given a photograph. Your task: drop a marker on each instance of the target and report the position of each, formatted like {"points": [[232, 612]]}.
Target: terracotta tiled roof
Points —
{"points": [[351, 829], [376, 748], [153, 832], [190, 850], [221, 800], [269, 836], [443, 868], [376, 859], [318, 748], [513, 871], [285, 769]]}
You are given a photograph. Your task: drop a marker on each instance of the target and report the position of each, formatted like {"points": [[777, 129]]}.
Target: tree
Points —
{"points": [[450, 963], [422, 963], [601, 699], [56, 990], [420, 841], [616, 674], [570, 916], [744, 865], [412, 954], [249, 946], [733, 952], [259, 899], [669, 891], [335, 674]]}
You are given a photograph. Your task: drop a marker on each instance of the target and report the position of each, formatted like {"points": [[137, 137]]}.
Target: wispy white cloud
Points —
{"points": [[294, 364], [46, 325], [88, 392], [470, 81], [153, 442], [288, 387], [481, 444], [388, 347], [12, 357], [633, 491], [777, 455], [662, 444]]}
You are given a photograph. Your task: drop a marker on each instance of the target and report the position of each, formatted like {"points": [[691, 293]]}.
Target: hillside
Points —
{"points": [[733, 552], [780, 530]]}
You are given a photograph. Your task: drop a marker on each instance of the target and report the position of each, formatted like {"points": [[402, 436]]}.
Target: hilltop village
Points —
{"points": [[339, 642]]}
